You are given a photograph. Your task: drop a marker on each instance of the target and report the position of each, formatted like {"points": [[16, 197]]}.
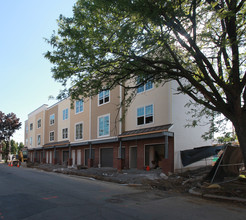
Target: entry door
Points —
{"points": [[73, 157], [78, 157], [133, 157], [50, 156], [47, 157]]}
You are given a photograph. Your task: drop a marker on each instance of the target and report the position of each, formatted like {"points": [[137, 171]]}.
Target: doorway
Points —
{"points": [[133, 157]]}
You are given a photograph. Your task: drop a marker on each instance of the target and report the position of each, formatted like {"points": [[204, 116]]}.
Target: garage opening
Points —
{"points": [[154, 154], [106, 157]]}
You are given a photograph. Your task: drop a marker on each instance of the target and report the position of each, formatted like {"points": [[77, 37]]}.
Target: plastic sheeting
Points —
{"points": [[191, 156]]}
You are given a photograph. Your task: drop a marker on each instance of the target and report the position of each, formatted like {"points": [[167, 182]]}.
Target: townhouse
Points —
{"points": [[98, 132]]}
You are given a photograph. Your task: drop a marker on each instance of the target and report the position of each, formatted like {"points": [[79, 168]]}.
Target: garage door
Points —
{"points": [[106, 157]]}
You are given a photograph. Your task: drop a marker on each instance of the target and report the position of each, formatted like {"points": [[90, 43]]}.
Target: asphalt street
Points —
{"points": [[33, 194]]}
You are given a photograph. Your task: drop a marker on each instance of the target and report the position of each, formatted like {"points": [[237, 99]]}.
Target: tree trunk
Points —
{"points": [[240, 129]]}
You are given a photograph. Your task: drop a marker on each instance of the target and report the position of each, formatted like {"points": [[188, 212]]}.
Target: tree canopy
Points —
{"points": [[198, 43], [9, 123]]}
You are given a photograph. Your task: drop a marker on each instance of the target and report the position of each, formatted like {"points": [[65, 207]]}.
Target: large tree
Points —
{"points": [[198, 43], [9, 123]]}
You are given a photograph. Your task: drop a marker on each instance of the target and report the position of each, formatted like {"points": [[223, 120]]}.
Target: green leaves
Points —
{"points": [[107, 42]]}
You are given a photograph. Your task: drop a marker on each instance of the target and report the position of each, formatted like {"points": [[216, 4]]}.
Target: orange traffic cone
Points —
{"points": [[18, 165], [147, 168], [11, 164]]}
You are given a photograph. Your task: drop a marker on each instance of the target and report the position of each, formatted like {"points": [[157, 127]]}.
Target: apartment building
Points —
{"points": [[97, 133]]}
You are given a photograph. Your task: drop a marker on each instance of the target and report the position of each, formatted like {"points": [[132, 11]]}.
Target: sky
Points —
{"points": [[25, 75]]}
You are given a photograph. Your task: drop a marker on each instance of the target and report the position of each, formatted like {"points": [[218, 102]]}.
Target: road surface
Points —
{"points": [[33, 194]]}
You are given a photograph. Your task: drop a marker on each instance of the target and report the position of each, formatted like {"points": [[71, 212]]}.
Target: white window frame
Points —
{"points": [[144, 86], [53, 136], [144, 115], [98, 126], [64, 133], [52, 121], [38, 141], [77, 108], [65, 114], [75, 133], [39, 123], [103, 97]]}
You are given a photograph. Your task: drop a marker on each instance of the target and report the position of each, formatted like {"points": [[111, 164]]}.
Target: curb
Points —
{"points": [[210, 196]]}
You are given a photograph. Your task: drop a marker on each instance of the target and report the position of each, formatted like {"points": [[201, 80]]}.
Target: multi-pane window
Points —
{"points": [[52, 119], [65, 133], [145, 115], [31, 126], [39, 140], [79, 106], [144, 87], [103, 97], [52, 136], [65, 114], [39, 123], [79, 131], [103, 127]]}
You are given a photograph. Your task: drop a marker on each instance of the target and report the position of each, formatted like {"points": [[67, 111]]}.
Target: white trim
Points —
{"points": [[76, 140], [144, 124], [37, 140], [54, 136], [67, 133], [98, 125], [40, 123], [98, 105], [83, 106], [50, 120]]}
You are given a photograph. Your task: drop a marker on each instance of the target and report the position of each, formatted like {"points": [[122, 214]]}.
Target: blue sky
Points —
{"points": [[25, 75]]}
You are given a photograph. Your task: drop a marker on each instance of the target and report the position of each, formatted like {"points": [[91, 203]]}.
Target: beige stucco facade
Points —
{"points": [[78, 118], [160, 97], [63, 122], [51, 127]]}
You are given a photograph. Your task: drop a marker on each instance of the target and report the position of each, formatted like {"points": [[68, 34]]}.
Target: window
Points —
{"points": [[39, 140], [26, 141], [52, 119], [65, 114], [39, 123], [103, 127], [103, 97], [27, 129], [144, 87], [31, 126], [145, 115], [64, 133], [79, 131], [79, 106], [52, 136], [30, 141]]}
